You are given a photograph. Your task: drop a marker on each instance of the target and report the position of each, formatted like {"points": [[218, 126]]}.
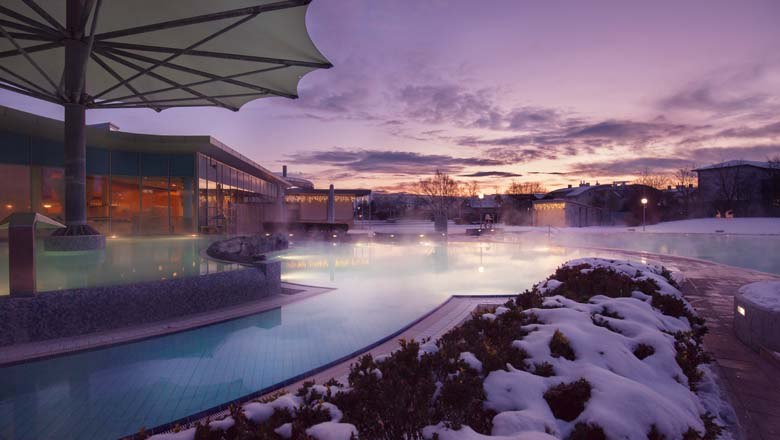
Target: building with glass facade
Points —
{"points": [[137, 184]]}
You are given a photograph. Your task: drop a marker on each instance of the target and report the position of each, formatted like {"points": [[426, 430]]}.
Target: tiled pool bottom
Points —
{"points": [[124, 260], [112, 392]]}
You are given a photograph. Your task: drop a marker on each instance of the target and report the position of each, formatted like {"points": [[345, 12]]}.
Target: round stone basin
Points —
{"points": [[757, 315]]}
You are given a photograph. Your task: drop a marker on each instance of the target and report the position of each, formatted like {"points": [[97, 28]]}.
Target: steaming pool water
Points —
{"points": [[379, 288]]}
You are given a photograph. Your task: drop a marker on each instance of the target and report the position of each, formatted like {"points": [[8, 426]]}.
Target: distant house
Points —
{"points": [[474, 209], [518, 209], [747, 188], [618, 203]]}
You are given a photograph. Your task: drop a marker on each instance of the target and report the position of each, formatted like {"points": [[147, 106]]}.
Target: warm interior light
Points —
{"points": [[741, 310], [9, 206], [47, 205], [422, 235]]}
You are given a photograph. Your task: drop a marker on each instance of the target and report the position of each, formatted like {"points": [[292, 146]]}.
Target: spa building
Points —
{"points": [[137, 184]]}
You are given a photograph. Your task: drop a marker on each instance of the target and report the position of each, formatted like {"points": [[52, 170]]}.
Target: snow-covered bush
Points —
{"points": [[602, 349]]}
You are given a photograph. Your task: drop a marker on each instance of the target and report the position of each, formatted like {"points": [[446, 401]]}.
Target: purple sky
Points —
{"points": [[556, 91]]}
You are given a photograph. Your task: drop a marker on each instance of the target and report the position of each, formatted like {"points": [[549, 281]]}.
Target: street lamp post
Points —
{"points": [[644, 213]]}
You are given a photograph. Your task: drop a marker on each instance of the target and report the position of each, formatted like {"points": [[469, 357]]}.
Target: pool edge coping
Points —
{"points": [[196, 321]]}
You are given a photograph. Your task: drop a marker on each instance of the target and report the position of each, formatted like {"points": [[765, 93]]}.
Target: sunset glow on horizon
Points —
{"points": [[495, 91]]}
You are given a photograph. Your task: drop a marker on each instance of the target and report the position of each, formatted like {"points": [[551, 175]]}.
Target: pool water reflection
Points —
{"points": [[124, 260]]}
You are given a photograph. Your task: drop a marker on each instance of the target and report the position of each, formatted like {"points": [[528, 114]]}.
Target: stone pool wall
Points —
{"points": [[72, 312]]}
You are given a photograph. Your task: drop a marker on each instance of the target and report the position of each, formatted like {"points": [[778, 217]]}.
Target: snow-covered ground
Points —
{"points": [[752, 226]]}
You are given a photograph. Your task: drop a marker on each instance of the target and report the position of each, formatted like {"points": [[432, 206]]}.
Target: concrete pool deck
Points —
{"points": [[43, 349]]}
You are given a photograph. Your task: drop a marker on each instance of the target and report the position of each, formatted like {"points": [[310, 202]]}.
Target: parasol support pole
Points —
{"points": [[77, 234]]}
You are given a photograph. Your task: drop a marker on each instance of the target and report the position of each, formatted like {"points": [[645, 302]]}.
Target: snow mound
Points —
{"points": [[645, 392], [632, 269], [332, 431], [259, 412]]}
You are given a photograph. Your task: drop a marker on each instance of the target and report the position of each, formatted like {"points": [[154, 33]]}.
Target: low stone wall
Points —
{"points": [[72, 312], [756, 319]]}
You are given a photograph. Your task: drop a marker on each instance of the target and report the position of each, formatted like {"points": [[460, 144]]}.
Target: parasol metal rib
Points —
{"points": [[45, 15], [18, 88], [118, 77], [252, 10], [222, 55], [193, 84], [28, 57], [33, 24], [165, 80], [204, 74], [158, 63]]}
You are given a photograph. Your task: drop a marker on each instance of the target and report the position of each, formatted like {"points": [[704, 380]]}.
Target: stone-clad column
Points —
{"points": [[75, 166]]}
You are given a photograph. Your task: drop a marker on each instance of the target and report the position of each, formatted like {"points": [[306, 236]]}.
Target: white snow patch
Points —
{"points": [[332, 431], [500, 310], [222, 425], [471, 360], [187, 434], [285, 430], [488, 316], [466, 433], [259, 412], [549, 285], [335, 413], [764, 293]]}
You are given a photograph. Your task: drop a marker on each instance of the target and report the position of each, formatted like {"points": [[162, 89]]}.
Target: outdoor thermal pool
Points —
{"points": [[112, 392]]}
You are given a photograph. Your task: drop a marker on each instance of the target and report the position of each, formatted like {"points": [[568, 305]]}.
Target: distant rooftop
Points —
{"points": [[735, 163]]}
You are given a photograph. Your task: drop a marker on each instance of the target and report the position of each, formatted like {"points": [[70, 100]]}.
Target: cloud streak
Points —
{"points": [[391, 161]]}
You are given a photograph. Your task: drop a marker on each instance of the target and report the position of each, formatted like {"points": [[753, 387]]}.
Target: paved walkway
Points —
{"points": [[751, 380], [42, 349]]}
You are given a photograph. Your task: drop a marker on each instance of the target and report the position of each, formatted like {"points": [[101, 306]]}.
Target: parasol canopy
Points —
{"points": [[157, 53]]}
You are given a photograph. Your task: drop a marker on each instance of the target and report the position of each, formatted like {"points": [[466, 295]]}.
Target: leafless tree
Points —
{"points": [[470, 189], [685, 180], [657, 181], [526, 188], [440, 192]]}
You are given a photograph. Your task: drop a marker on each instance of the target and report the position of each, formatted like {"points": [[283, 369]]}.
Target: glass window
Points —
{"points": [[181, 205], [154, 205], [15, 190], [125, 205], [98, 203], [52, 195]]}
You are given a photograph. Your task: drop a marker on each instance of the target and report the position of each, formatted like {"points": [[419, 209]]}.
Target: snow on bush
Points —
{"points": [[603, 349]]}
